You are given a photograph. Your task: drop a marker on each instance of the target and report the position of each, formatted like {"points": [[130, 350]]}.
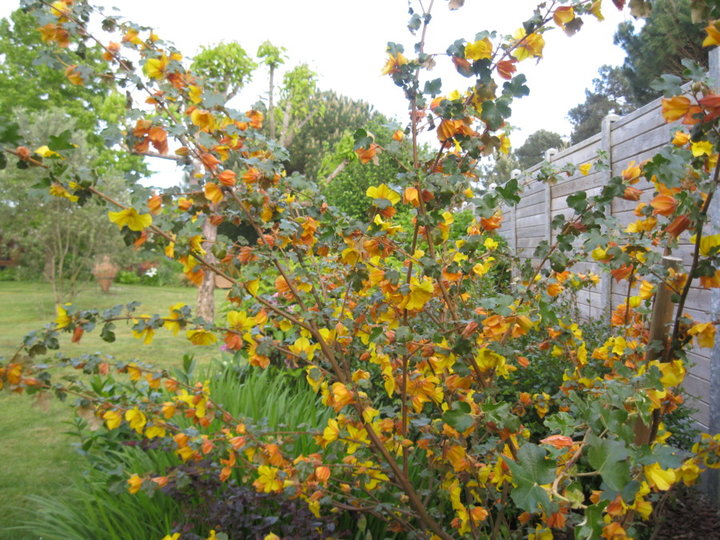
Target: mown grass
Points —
{"points": [[36, 456]]}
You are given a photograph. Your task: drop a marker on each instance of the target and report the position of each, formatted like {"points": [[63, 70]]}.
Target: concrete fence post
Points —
{"points": [[714, 383], [606, 147]]}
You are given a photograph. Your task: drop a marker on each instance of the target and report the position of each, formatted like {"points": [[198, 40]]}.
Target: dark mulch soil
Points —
{"points": [[689, 515]]}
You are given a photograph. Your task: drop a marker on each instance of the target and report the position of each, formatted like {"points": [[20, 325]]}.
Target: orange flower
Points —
{"points": [[256, 119], [213, 193], [664, 205], [554, 289], [367, 154], [450, 128], [158, 138], [632, 194], [632, 173], [679, 224], [491, 223], [252, 175], [711, 282], [73, 75], [154, 204], [623, 272], [110, 51], [227, 178], [210, 161], [675, 108], [53, 33], [506, 68], [558, 441]]}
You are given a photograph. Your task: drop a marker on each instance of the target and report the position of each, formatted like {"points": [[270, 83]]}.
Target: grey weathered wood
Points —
{"points": [[635, 137]]}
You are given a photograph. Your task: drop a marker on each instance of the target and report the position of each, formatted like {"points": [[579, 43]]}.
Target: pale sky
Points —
{"points": [[344, 42]]}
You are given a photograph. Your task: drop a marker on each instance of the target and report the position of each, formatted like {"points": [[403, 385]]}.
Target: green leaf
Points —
{"points": [[9, 132], [529, 472], [433, 87], [591, 527], [578, 201], [609, 458], [516, 87], [458, 417], [61, 142], [669, 85]]}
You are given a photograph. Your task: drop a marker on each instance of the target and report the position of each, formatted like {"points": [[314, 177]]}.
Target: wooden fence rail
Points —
{"points": [[635, 137]]}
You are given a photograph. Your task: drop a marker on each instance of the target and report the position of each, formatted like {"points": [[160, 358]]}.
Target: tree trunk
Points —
{"points": [[206, 292], [271, 105]]}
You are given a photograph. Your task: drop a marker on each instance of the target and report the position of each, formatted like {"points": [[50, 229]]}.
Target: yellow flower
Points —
{"points": [[658, 477], [146, 334], [155, 431], [201, 337], [701, 148], [213, 192], [330, 433], [479, 50], [135, 483], [195, 94], [155, 67], [62, 320], [130, 218], [383, 192], [708, 243], [267, 481], [136, 418], [563, 15], [585, 168], [420, 293], [173, 536], [704, 333], [528, 45], [688, 472], [113, 419], [713, 35], [45, 152], [393, 63], [203, 119]]}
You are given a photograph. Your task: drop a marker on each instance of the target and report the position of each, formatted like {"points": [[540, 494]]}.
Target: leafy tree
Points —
{"points": [[339, 115], [659, 46], [227, 65], [533, 150], [345, 178], [656, 48], [609, 96], [272, 57], [296, 106], [32, 86], [59, 239]]}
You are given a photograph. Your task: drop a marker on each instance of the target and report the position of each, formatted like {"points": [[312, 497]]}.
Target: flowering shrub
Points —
{"points": [[404, 341]]}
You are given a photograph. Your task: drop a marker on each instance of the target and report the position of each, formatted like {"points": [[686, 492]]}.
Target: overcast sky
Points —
{"points": [[345, 41]]}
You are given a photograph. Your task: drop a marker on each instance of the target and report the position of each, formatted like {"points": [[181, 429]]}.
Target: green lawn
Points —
{"points": [[36, 457]]}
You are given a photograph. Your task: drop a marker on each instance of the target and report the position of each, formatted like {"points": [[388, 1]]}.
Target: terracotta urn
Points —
{"points": [[105, 272]]}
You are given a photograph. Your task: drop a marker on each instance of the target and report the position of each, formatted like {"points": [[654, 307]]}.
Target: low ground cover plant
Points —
{"points": [[411, 350]]}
